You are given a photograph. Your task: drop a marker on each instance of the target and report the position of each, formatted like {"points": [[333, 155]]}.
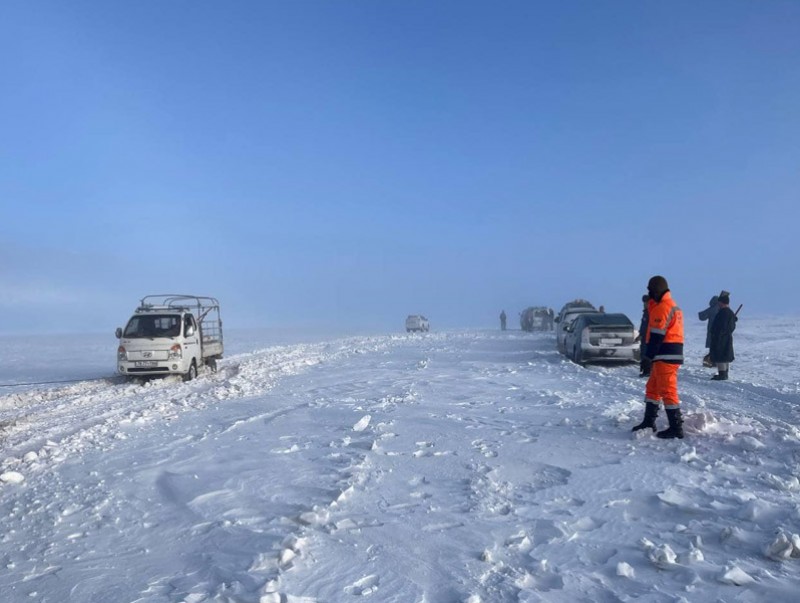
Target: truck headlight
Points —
{"points": [[122, 354], [176, 351]]}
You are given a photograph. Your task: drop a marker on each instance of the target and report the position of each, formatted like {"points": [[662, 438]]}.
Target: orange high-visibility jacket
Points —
{"points": [[665, 331]]}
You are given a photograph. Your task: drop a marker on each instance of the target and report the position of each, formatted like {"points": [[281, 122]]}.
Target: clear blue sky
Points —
{"points": [[343, 163]]}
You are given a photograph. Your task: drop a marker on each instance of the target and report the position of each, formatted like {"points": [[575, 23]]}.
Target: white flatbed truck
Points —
{"points": [[170, 334]]}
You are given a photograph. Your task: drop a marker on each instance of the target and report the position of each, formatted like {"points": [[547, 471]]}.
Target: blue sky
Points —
{"points": [[343, 164]]}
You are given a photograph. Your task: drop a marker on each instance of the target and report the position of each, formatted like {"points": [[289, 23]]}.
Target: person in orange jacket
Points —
{"points": [[664, 340]]}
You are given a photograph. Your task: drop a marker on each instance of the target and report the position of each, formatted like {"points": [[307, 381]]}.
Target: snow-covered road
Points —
{"points": [[450, 467]]}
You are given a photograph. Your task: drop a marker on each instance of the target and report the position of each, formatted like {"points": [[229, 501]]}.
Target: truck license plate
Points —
{"points": [[610, 341], [145, 363]]}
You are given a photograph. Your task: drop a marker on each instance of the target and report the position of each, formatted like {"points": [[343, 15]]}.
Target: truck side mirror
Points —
{"points": [[189, 331], [118, 332]]}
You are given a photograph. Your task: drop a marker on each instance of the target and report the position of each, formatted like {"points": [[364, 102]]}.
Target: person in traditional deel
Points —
{"points": [[644, 362], [722, 338], [664, 349], [502, 320], [709, 314]]}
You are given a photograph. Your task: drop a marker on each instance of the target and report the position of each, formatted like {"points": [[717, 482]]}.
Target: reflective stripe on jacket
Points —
{"points": [[665, 331]]}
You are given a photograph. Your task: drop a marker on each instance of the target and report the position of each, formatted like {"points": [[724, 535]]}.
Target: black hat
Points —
{"points": [[657, 287], [725, 298]]}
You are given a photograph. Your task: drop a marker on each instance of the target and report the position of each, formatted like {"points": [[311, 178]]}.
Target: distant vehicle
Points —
{"points": [[574, 304], [417, 323], [170, 335], [601, 337], [536, 318]]}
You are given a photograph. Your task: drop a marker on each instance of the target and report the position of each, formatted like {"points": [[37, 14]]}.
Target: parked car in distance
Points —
{"points": [[565, 321], [601, 337], [536, 318], [573, 305], [417, 323]]}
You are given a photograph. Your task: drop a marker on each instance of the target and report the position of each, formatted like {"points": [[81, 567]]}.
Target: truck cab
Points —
{"points": [[170, 334]]}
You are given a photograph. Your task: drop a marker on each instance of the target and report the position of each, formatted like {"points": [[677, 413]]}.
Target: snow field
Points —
{"points": [[450, 467]]}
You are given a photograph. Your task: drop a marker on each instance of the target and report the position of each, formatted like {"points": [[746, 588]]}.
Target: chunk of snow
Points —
{"points": [[751, 443], [286, 557], [690, 456], [316, 517], [696, 555], [12, 477], [362, 423], [790, 484], [784, 547], [663, 556], [736, 576], [625, 570]]}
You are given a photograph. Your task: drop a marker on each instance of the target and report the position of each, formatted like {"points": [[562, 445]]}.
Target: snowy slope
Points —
{"points": [[449, 467]]}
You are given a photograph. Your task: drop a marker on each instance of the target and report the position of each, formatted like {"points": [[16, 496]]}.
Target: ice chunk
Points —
{"points": [[363, 423], [784, 547], [663, 556], [737, 576], [625, 570], [12, 477]]}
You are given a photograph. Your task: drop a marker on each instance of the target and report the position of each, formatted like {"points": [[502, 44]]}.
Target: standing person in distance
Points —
{"points": [[502, 320], [664, 339], [709, 314], [722, 338], [644, 362]]}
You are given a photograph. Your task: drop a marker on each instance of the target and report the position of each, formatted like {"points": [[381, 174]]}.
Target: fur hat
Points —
{"points": [[657, 286], [725, 298]]}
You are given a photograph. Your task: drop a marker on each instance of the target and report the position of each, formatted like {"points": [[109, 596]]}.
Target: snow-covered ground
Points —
{"points": [[470, 466]]}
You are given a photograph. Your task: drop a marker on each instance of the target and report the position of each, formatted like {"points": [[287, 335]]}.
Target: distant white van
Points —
{"points": [[417, 323]]}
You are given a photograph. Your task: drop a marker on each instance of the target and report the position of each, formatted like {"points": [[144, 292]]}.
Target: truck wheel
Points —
{"points": [[576, 356], [191, 373]]}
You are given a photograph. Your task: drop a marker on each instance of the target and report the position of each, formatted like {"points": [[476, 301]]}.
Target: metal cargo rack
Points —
{"points": [[205, 310]]}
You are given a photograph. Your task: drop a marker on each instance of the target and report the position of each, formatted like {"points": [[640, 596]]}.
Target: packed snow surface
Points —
{"points": [[469, 466]]}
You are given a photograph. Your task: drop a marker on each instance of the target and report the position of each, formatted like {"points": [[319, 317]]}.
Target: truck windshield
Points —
{"points": [[153, 325]]}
